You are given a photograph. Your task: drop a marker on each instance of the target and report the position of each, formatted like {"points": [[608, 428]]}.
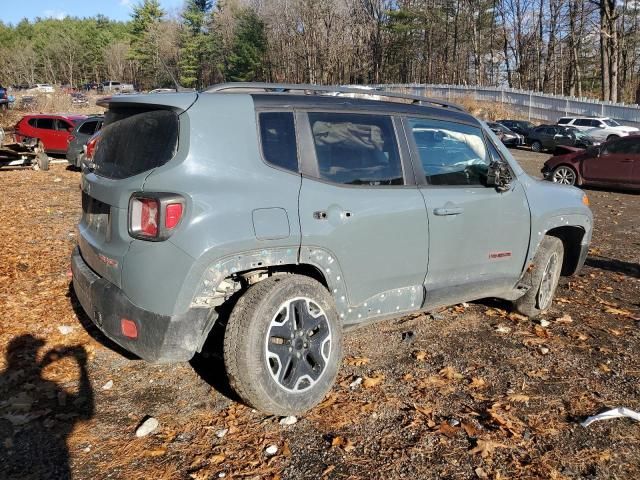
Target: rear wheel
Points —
{"points": [[612, 137], [283, 345], [543, 276], [564, 175], [536, 146]]}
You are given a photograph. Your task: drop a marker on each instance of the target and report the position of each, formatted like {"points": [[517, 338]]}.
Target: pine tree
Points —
{"points": [[246, 61], [196, 48]]}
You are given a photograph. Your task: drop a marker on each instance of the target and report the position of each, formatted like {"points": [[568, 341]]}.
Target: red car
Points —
{"points": [[612, 164], [52, 130]]}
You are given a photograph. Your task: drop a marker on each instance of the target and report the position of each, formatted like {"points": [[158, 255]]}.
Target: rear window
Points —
{"points": [[137, 143], [564, 121]]}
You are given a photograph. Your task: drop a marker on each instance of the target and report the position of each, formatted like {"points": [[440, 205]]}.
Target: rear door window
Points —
{"points": [[582, 122], [136, 143], [564, 121], [278, 139], [356, 149], [62, 125], [88, 128], [46, 123]]}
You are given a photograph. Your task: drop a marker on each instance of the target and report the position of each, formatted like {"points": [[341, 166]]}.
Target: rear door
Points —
{"points": [[478, 237], [61, 134], [359, 201], [614, 164]]}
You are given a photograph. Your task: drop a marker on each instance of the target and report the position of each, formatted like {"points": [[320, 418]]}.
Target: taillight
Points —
{"points": [[91, 147], [154, 216]]}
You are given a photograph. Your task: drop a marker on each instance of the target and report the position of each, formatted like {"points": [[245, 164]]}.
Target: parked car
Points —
{"points": [[521, 127], [335, 213], [41, 88], [51, 132], [81, 134], [79, 99], [613, 164], [115, 87], [506, 136], [599, 128], [549, 137]]}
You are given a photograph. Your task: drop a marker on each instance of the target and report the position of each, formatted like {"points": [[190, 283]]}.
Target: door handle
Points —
{"points": [[443, 211]]}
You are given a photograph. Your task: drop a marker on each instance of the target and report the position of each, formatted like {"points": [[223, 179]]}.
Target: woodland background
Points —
{"points": [[572, 47]]}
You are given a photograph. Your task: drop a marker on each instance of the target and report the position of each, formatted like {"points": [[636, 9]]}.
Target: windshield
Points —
{"points": [[611, 123]]}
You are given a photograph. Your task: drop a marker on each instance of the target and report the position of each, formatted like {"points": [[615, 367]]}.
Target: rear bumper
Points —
{"points": [[161, 338]]}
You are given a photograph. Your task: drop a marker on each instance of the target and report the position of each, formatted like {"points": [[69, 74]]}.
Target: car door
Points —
{"points": [[46, 132], [60, 135], [547, 137], [478, 237], [614, 165], [359, 203]]}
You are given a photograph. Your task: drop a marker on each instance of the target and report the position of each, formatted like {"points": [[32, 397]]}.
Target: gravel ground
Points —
{"points": [[478, 392]]}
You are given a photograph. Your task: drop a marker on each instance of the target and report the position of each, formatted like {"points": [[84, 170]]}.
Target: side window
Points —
{"points": [[46, 123], [595, 123], [278, 139], [583, 122], [564, 121], [33, 122], [88, 128], [450, 153], [63, 126], [621, 146], [356, 149]]}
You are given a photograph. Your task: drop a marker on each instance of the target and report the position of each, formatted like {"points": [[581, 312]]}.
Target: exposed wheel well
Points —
{"points": [[571, 237]]}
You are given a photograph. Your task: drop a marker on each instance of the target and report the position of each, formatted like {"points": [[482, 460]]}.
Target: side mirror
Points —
{"points": [[499, 176]]}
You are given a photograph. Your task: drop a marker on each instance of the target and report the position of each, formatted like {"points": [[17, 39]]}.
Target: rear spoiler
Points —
{"points": [[179, 102]]}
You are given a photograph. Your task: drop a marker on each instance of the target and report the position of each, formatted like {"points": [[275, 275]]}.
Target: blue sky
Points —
{"points": [[14, 11]]}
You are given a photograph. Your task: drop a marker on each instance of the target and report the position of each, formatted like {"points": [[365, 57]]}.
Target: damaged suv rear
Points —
{"points": [[287, 215]]}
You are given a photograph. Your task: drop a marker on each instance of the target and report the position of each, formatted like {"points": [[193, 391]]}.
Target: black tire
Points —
{"points": [[538, 299], [536, 146], [43, 161], [258, 328], [612, 137]]}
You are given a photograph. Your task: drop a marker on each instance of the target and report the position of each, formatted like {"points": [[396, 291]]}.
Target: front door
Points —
{"points": [[358, 202], [613, 165], [478, 237]]}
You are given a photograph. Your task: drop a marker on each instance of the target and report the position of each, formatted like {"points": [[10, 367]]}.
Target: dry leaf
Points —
{"points": [[481, 473], [517, 317], [447, 430], [518, 398], [485, 448], [564, 319], [470, 429], [356, 361], [604, 368], [427, 412], [157, 452], [216, 459], [477, 383], [450, 374], [420, 355], [370, 382]]}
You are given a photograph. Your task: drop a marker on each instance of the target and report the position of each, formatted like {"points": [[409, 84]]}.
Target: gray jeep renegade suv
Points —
{"points": [[303, 212]]}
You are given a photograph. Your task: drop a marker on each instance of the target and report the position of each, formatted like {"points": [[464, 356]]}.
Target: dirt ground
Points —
{"points": [[472, 391]]}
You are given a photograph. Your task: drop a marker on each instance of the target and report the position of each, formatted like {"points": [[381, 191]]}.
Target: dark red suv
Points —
{"points": [[52, 130]]}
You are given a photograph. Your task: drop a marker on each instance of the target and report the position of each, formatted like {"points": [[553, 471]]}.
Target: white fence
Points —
{"points": [[529, 105]]}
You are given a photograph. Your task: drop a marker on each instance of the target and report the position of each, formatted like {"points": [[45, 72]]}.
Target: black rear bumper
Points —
{"points": [[161, 338]]}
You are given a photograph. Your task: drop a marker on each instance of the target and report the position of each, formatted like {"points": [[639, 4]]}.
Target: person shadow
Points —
{"points": [[37, 415]]}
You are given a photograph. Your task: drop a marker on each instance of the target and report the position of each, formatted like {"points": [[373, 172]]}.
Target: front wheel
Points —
{"points": [[543, 276], [612, 137], [536, 146], [564, 175], [283, 345]]}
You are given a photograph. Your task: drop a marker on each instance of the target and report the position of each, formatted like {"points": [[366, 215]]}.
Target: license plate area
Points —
{"points": [[96, 216]]}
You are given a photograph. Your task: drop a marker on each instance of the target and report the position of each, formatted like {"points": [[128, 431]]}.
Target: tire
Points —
{"points": [[273, 365], [612, 137], [564, 175], [543, 276], [43, 161], [536, 146]]}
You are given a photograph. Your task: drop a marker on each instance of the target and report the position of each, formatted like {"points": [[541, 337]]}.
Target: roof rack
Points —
{"points": [[308, 89]]}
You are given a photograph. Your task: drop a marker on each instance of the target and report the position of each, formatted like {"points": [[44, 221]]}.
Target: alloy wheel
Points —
{"points": [[564, 176]]}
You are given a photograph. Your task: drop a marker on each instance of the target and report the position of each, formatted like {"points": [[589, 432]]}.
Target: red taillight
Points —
{"points": [[91, 146], [154, 216], [145, 214], [173, 213], [128, 328]]}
